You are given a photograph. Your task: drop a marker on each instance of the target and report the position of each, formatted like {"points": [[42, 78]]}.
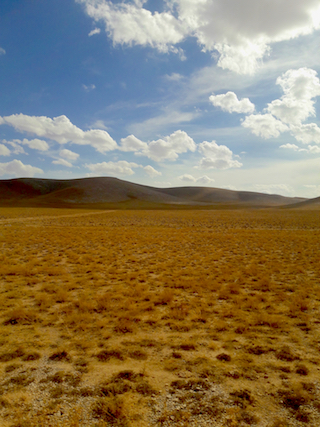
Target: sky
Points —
{"points": [[217, 93]]}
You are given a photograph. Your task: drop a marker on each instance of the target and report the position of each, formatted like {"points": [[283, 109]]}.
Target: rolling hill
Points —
{"points": [[106, 192]]}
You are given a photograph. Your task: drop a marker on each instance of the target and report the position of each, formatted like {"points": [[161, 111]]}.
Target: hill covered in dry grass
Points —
{"points": [[106, 192]]}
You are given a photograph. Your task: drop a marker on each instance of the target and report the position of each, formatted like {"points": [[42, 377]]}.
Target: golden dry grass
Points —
{"points": [[159, 318]]}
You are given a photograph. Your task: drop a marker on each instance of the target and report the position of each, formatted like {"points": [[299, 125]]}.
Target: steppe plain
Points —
{"points": [[159, 317]]}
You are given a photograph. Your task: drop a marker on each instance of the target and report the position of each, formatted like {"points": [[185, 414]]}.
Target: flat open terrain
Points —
{"points": [[159, 318]]}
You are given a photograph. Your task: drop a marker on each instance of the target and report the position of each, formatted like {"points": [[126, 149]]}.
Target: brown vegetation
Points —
{"points": [[159, 318]]}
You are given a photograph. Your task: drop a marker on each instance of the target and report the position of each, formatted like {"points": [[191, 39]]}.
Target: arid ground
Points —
{"points": [[159, 318]]}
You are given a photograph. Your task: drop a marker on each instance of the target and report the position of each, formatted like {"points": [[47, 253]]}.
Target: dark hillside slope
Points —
{"points": [[106, 191]]}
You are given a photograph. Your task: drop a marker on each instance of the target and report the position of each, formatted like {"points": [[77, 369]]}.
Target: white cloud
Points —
{"points": [[4, 151], [17, 149], [112, 168], [203, 180], [17, 168], [2, 51], [306, 133], [95, 31], [68, 154], [36, 144], [170, 147], [217, 156], [88, 88], [61, 130], [240, 32], [62, 162], [152, 172], [229, 102], [131, 143], [98, 124], [187, 178], [132, 24], [167, 148], [296, 105], [314, 149], [287, 113], [290, 147], [174, 77], [264, 125]]}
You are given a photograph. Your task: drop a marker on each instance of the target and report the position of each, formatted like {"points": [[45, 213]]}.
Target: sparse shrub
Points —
{"points": [[286, 354], [145, 389], [31, 356], [294, 398], [15, 354], [242, 398], [224, 357], [112, 411], [20, 380], [302, 370], [138, 355], [247, 418], [302, 415], [106, 355], [20, 315], [4, 403], [257, 350], [13, 367], [60, 356]]}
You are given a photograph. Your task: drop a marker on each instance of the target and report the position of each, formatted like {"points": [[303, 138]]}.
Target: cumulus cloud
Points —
{"points": [[217, 156], [132, 24], [61, 130], [240, 32], [152, 172], [306, 133], [290, 146], [296, 105], [170, 147], [17, 168], [167, 148], [95, 31], [264, 125], [112, 168], [290, 111], [187, 178], [203, 180], [68, 154], [4, 151], [131, 143], [2, 51], [229, 102], [62, 162], [314, 149], [36, 144]]}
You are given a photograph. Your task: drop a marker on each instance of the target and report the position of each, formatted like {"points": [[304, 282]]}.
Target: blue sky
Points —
{"points": [[219, 93]]}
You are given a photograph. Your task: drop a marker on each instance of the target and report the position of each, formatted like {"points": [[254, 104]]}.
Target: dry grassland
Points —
{"points": [[159, 318]]}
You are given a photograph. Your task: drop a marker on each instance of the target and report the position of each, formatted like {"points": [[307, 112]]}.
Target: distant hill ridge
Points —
{"points": [[107, 191]]}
